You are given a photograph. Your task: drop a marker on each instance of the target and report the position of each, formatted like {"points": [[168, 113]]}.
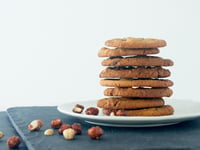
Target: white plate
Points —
{"points": [[184, 110]]}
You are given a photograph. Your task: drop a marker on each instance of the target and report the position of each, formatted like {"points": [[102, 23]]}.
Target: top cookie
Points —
{"points": [[131, 42], [108, 52]]}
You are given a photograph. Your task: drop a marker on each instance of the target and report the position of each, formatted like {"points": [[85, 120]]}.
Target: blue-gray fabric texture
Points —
{"points": [[7, 128], [185, 135]]}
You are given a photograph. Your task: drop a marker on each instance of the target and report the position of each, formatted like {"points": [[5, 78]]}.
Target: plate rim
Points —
{"points": [[130, 119]]}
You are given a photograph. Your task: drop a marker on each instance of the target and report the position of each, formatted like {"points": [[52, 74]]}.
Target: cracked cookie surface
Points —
{"points": [[136, 82], [131, 42], [156, 72], [137, 61], [107, 52], [138, 92], [155, 111], [129, 103]]}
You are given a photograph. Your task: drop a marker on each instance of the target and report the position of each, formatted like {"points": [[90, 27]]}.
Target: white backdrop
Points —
{"points": [[48, 49]]}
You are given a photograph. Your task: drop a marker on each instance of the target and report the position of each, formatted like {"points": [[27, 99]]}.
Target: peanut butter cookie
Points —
{"points": [[137, 61], [138, 92], [136, 82], [129, 103], [107, 52], [131, 42], [137, 72], [154, 111]]}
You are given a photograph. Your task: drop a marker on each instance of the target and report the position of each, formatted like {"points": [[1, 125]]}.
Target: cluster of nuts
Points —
{"points": [[93, 132], [12, 142], [89, 111], [68, 131]]}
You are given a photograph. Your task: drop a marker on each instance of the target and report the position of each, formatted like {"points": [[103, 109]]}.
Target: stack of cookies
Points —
{"points": [[136, 80]]}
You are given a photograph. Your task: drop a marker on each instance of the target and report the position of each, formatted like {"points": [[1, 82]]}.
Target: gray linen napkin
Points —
{"points": [[181, 136], [7, 128]]}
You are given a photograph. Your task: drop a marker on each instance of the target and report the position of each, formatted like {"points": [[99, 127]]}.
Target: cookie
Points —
{"points": [[137, 61], [107, 52], [156, 111], [138, 92], [129, 103], [131, 42], [131, 72], [136, 82]]}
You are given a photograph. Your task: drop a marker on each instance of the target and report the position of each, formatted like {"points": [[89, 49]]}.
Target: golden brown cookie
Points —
{"points": [[136, 82], [155, 111], [107, 52], [129, 103], [138, 92], [137, 61], [130, 72], [131, 42]]}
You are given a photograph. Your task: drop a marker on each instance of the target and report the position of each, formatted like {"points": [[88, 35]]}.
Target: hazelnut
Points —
{"points": [[77, 127], [35, 125], [112, 114], [120, 113], [95, 132], [40, 123], [49, 132], [63, 127], [1, 134], [56, 123], [69, 133], [13, 142], [108, 112], [78, 108], [92, 111]]}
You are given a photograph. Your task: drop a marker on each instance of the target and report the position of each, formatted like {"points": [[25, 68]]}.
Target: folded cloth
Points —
{"points": [[8, 130], [185, 135]]}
